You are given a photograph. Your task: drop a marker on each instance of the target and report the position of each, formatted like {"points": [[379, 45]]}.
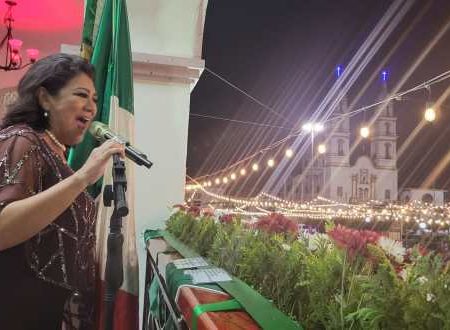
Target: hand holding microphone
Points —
{"points": [[102, 132]]}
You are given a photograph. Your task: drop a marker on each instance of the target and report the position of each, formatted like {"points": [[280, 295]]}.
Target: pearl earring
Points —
{"points": [[45, 114]]}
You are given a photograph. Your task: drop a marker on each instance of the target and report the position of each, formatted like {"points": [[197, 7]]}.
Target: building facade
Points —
{"points": [[371, 176], [430, 196]]}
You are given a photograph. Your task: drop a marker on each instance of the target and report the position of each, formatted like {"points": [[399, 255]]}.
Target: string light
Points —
{"points": [[271, 163], [255, 167], [319, 126], [317, 210], [430, 115]]}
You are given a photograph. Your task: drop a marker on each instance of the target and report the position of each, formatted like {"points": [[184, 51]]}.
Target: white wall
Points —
{"points": [[166, 27], [414, 194], [338, 177]]}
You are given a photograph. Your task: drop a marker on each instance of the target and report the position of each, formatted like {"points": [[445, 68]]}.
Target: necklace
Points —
{"points": [[55, 140]]}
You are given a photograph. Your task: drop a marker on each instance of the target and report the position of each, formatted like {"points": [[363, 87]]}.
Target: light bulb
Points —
{"points": [[270, 163], [308, 127], [15, 45], [364, 132], [243, 171], [255, 167], [430, 115], [33, 54], [289, 153], [321, 149]]}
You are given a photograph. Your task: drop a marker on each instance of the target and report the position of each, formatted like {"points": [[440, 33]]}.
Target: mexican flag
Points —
{"points": [[106, 43]]}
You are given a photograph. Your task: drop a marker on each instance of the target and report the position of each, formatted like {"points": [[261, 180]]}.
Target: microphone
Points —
{"points": [[101, 132]]}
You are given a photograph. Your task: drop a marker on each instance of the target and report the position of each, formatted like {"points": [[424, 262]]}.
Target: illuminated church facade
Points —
{"points": [[372, 175]]}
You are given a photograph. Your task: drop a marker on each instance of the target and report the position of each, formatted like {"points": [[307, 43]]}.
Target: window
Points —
{"points": [[364, 176], [388, 128], [387, 194], [340, 192], [427, 198], [366, 194], [387, 151], [340, 147]]}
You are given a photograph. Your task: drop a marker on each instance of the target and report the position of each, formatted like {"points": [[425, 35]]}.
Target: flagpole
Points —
{"points": [[114, 259]]}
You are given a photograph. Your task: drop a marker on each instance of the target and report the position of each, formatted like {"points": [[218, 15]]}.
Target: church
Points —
{"points": [[340, 176]]}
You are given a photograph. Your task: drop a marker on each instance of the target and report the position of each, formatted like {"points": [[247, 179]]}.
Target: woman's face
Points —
{"points": [[72, 110]]}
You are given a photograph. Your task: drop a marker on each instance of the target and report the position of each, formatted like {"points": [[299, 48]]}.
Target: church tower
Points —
{"points": [[383, 149], [383, 146], [337, 157], [339, 138]]}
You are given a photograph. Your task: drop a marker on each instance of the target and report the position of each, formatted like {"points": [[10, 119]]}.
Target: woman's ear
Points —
{"points": [[43, 98]]}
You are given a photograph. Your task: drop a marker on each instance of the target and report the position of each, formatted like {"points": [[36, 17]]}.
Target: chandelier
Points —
{"points": [[13, 60]]}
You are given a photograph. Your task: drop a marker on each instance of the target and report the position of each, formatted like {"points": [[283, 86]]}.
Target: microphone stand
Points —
{"points": [[114, 261]]}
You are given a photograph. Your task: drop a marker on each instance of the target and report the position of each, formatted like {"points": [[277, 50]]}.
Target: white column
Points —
{"points": [[166, 39]]}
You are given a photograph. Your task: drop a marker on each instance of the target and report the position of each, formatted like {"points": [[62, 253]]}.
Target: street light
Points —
{"points": [[312, 128]]}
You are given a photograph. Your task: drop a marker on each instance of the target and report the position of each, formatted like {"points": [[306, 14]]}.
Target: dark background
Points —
{"points": [[284, 54]]}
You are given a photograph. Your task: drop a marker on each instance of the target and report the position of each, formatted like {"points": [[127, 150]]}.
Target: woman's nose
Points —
{"points": [[91, 106]]}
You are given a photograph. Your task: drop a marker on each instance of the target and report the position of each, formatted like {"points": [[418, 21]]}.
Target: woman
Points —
{"points": [[47, 219]]}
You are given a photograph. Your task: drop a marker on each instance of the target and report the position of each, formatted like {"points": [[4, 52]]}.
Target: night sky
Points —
{"points": [[284, 54]]}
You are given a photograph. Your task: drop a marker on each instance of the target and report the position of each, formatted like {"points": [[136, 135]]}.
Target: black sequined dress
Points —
{"points": [[42, 279]]}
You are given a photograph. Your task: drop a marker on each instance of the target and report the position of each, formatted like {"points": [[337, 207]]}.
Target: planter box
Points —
{"points": [[252, 312]]}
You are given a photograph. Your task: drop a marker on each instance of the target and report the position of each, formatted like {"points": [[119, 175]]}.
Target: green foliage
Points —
{"points": [[322, 287]]}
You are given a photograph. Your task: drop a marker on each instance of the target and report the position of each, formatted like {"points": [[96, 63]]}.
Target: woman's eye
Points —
{"points": [[84, 95]]}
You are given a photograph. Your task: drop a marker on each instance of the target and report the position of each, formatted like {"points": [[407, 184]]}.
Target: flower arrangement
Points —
{"points": [[342, 279], [276, 223]]}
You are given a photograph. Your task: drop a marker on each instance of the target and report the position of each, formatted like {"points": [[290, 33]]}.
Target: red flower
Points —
{"points": [[354, 241], [422, 249], [194, 211], [226, 218], [277, 223]]}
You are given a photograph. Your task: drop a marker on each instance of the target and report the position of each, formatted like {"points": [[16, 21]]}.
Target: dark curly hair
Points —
{"points": [[53, 73]]}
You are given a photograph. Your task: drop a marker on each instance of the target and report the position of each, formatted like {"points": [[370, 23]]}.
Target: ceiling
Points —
{"points": [[42, 24]]}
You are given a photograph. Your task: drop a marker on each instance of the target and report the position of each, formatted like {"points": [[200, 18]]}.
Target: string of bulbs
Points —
{"points": [[235, 174], [320, 209]]}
